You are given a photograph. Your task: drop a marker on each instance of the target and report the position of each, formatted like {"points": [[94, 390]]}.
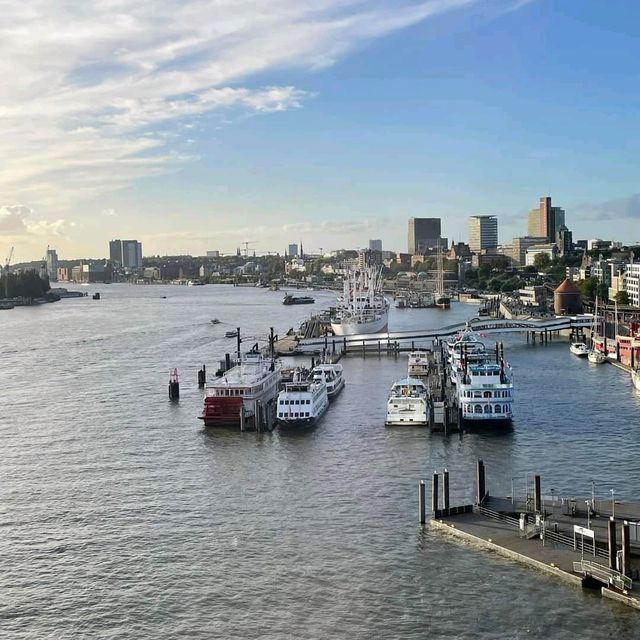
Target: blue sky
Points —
{"points": [[333, 134]]}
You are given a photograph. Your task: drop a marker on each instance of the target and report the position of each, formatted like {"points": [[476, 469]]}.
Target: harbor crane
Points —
{"points": [[7, 264], [246, 247]]}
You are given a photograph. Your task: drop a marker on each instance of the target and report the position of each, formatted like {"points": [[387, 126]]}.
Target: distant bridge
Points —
{"points": [[542, 326]]}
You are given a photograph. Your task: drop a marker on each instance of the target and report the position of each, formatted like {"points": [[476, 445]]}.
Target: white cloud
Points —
{"points": [[87, 88], [18, 220]]}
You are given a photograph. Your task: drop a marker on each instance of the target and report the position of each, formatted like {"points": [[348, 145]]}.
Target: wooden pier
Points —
{"points": [[588, 543]]}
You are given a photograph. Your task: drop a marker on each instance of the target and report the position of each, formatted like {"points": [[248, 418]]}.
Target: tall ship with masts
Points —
{"points": [[443, 301], [362, 308]]}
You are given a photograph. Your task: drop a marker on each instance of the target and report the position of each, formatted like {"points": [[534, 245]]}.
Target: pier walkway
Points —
{"points": [[408, 340]]}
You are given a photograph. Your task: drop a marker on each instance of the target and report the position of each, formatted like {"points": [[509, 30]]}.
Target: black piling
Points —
{"points": [[537, 494], [626, 550], [174, 385], [313, 362], [238, 342], [272, 343], [422, 515], [202, 377], [434, 493], [613, 550], [480, 482], [227, 361], [445, 491]]}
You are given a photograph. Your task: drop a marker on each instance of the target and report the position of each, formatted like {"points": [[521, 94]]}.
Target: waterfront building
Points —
{"points": [[567, 299], [425, 233], [115, 252], [375, 245], [292, 250], [483, 233], [213, 254], [459, 250], [368, 258], [131, 254], [519, 248], [545, 220], [64, 274], [151, 273], [52, 265], [549, 249], [632, 283]]}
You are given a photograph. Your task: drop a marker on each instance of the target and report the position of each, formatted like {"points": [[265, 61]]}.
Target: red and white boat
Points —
{"points": [[242, 393]]}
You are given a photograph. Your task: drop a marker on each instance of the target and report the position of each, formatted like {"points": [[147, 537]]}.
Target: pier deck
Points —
{"points": [[582, 545]]}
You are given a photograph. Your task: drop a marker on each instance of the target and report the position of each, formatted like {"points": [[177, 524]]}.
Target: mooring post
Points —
{"points": [[626, 550], [422, 503], [445, 491], [434, 493], [238, 340], [227, 361], [174, 385], [202, 377], [537, 495], [613, 549], [480, 486], [527, 333]]}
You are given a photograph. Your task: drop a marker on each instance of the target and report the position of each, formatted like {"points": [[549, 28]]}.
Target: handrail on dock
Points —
{"points": [[603, 574]]}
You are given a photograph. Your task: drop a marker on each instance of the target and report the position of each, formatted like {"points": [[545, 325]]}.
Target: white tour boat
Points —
{"points": [[579, 349], [362, 308], [301, 404], [242, 391], [332, 375], [466, 345], [407, 403], [418, 366], [485, 393]]}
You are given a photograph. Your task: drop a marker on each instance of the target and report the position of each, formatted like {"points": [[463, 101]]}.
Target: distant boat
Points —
{"points": [[195, 283], [231, 334], [635, 378], [289, 299], [215, 321], [595, 356], [332, 375], [579, 349]]}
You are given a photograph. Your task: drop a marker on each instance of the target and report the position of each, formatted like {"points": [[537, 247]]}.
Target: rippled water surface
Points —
{"points": [[121, 518]]}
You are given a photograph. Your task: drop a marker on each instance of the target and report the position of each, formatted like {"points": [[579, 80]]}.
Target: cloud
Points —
{"points": [[91, 92], [18, 220], [616, 209]]}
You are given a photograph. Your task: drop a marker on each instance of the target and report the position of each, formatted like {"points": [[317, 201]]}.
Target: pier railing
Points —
{"points": [[603, 574]]}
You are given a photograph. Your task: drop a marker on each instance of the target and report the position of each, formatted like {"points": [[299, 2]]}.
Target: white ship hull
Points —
{"points": [[635, 378], [350, 328]]}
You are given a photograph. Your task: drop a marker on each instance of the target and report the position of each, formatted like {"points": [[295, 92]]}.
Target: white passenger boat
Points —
{"points": [[301, 404], [635, 378], [579, 349], [362, 308], [466, 345], [407, 403], [332, 375], [485, 393], [241, 391], [418, 366]]}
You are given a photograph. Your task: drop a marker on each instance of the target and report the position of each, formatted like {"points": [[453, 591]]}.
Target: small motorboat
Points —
{"points": [[231, 334], [595, 357], [579, 349], [215, 321]]}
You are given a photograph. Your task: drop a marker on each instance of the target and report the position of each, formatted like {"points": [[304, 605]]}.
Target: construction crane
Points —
{"points": [[246, 247], [7, 264]]}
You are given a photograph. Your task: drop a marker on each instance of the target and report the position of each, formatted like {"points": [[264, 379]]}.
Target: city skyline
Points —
{"points": [[340, 121]]}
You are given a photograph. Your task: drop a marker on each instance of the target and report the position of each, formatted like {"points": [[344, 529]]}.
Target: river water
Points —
{"points": [[120, 517]]}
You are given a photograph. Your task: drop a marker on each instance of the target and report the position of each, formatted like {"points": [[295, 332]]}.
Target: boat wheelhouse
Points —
{"points": [[407, 403], [237, 397], [485, 393], [418, 365]]}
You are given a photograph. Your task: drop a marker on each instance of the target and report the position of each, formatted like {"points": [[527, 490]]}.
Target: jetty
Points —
{"points": [[588, 543]]}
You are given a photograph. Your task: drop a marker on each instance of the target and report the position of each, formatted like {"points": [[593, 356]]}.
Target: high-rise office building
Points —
{"points": [[292, 251], [131, 254], [545, 220], [424, 234], [519, 248], [115, 252], [483, 233], [375, 245], [52, 265]]}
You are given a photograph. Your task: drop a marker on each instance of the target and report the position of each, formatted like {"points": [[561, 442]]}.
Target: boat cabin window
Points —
{"points": [[498, 409], [487, 394], [477, 408], [487, 408]]}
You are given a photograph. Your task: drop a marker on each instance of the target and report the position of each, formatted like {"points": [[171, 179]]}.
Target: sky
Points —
{"points": [[195, 125]]}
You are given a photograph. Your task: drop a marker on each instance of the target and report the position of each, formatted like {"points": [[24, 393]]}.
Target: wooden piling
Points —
{"points": [[613, 549], [626, 550], [174, 385], [445, 491], [434, 493], [480, 482], [422, 503]]}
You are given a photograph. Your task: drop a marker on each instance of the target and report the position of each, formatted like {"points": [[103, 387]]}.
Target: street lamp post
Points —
{"points": [[613, 503], [588, 514]]}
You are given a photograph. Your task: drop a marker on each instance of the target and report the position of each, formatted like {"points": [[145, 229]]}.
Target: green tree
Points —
{"points": [[622, 297], [541, 260]]}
